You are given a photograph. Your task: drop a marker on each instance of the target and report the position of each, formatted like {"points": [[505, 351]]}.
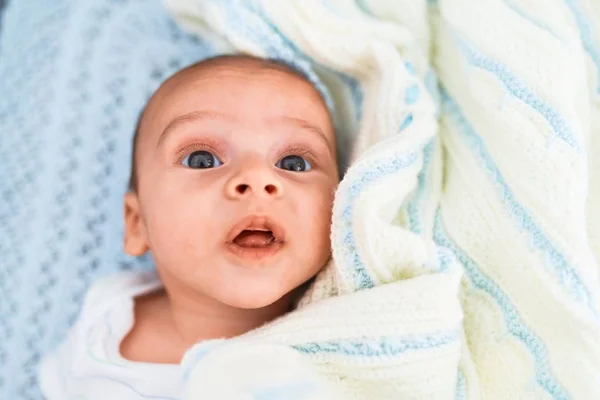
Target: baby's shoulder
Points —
{"points": [[114, 290], [106, 315]]}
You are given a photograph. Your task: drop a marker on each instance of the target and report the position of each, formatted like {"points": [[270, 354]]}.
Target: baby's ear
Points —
{"points": [[136, 241]]}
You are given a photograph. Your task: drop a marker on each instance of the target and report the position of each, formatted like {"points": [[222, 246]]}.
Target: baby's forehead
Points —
{"points": [[216, 68], [190, 81]]}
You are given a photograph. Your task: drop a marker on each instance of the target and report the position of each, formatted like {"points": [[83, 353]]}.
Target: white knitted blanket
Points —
{"points": [[492, 177]]}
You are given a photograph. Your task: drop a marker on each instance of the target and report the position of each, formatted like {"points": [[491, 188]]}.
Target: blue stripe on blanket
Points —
{"points": [[414, 205], [514, 324], [563, 271], [519, 90], [362, 4], [379, 170], [385, 346], [587, 36], [461, 386], [413, 209], [445, 258]]}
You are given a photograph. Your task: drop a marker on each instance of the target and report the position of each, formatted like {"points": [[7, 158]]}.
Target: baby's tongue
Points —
{"points": [[254, 239]]}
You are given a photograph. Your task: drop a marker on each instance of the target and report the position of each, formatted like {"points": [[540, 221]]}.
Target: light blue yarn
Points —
{"points": [[413, 208], [461, 387], [565, 273], [445, 258], [515, 325], [356, 93], [411, 94], [410, 68], [362, 4], [520, 91], [407, 121], [385, 346]]}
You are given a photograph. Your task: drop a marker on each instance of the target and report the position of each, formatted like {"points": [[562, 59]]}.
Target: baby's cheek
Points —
{"points": [[320, 224], [326, 204], [181, 231]]}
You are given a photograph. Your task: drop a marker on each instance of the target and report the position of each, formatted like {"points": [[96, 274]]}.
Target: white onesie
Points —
{"points": [[88, 364]]}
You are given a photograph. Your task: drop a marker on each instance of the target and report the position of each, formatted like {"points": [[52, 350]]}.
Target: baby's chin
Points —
{"points": [[255, 298], [252, 288]]}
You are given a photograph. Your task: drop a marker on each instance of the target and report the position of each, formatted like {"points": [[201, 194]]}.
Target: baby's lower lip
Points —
{"points": [[254, 253]]}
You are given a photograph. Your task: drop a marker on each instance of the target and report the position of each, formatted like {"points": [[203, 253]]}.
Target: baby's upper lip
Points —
{"points": [[256, 223]]}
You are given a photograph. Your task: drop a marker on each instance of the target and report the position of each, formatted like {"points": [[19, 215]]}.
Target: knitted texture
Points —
{"points": [[73, 77], [513, 201]]}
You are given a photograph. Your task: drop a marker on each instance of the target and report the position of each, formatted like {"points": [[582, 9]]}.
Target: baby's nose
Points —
{"points": [[254, 181]]}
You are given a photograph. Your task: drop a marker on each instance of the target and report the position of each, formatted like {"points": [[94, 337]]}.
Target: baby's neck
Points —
{"points": [[168, 324], [197, 318]]}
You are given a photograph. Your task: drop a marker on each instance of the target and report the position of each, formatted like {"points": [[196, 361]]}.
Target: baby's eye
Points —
{"points": [[294, 163], [201, 159]]}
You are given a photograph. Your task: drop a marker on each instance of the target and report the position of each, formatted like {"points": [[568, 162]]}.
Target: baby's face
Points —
{"points": [[236, 172]]}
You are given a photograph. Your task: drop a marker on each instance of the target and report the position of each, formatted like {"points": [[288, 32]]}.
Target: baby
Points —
{"points": [[233, 175]]}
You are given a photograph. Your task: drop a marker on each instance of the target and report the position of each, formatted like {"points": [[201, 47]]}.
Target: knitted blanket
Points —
{"points": [[505, 189]]}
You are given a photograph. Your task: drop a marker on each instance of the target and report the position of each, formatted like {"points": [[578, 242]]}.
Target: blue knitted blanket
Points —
{"points": [[73, 78]]}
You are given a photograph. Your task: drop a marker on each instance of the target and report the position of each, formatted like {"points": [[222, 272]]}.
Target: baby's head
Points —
{"points": [[233, 177]]}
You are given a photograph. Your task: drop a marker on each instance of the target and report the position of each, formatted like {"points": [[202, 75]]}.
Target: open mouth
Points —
{"points": [[255, 237]]}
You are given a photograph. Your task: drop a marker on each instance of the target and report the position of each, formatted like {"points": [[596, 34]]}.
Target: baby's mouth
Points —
{"points": [[254, 238]]}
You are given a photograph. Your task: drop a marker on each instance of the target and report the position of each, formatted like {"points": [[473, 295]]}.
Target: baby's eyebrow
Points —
{"points": [[190, 117], [301, 123], [307, 126]]}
